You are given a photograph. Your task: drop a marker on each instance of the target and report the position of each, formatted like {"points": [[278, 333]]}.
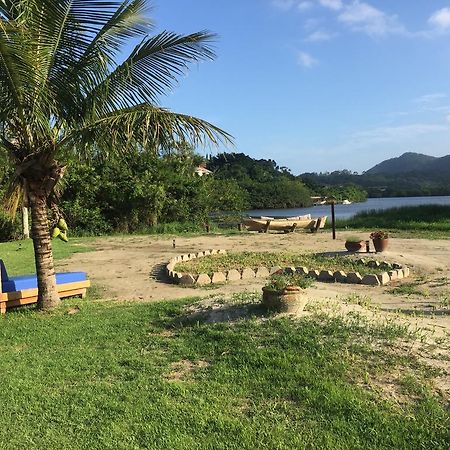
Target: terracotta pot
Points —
{"points": [[380, 244], [288, 300], [354, 246]]}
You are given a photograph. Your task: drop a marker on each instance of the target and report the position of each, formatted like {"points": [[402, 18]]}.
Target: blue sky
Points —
{"points": [[320, 85]]}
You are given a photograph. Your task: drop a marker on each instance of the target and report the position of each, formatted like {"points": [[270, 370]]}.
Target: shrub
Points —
{"points": [[9, 228], [278, 282]]}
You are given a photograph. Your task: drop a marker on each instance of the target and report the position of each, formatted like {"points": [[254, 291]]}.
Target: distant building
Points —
{"points": [[202, 170]]}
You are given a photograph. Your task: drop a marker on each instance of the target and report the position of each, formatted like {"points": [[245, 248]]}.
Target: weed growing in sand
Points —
{"points": [[408, 289], [357, 299]]}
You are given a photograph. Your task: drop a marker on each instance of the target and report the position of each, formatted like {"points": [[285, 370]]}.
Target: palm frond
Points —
{"points": [[143, 127], [151, 70]]}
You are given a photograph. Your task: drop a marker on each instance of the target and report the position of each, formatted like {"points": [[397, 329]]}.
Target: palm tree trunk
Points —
{"points": [[47, 293]]}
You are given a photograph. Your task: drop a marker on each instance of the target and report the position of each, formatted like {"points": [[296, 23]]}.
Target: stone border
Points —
{"points": [[392, 272]]}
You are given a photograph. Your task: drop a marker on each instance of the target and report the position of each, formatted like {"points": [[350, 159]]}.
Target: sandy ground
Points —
{"points": [[132, 269]]}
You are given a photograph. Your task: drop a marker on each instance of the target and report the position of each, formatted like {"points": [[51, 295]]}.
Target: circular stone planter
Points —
{"points": [[288, 300], [352, 246], [380, 245]]}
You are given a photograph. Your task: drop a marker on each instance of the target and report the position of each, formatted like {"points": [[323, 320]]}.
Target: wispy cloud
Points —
{"points": [[335, 5], [430, 98], [320, 36], [306, 60], [305, 5], [363, 17], [285, 5], [396, 133], [440, 19]]}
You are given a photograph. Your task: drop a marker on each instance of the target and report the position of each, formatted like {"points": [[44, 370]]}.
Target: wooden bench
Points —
{"points": [[10, 298]]}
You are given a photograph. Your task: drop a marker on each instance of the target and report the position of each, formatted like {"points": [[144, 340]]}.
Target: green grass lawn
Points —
{"points": [[18, 256], [131, 376]]}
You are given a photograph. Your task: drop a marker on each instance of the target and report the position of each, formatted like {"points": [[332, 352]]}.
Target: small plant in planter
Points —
{"points": [[380, 240], [283, 292], [354, 243]]}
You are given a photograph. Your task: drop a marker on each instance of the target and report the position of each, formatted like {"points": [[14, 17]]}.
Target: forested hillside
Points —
{"points": [[411, 174]]}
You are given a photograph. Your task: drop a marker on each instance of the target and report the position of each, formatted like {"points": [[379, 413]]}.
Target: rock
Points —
{"points": [[302, 270], [185, 258], [400, 274], [200, 254], [373, 264], [186, 280], [248, 273], [218, 277], [326, 275], [207, 252], [192, 256], [222, 252], [406, 271], [354, 278], [276, 269], [203, 279], [313, 274], [262, 272], [393, 275], [233, 275], [214, 252], [289, 270], [384, 278], [340, 276], [371, 280]]}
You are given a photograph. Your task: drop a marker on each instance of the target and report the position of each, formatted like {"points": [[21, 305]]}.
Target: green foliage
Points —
{"points": [[427, 218], [141, 192], [267, 185], [220, 263], [280, 281], [354, 239], [9, 228]]}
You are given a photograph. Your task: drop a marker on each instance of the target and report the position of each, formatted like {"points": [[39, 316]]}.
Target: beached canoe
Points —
{"points": [[265, 224]]}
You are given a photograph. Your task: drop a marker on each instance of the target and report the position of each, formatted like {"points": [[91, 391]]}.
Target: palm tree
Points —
{"points": [[64, 95]]}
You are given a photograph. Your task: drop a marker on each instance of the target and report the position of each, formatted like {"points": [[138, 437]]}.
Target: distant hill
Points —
{"points": [[408, 162], [411, 174]]}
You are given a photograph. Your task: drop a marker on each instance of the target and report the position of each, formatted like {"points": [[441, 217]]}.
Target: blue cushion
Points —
{"points": [[3, 273], [30, 281]]}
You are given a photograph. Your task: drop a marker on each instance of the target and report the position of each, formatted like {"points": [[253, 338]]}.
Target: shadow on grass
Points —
{"points": [[218, 312]]}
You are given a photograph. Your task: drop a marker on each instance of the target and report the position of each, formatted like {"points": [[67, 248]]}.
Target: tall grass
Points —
{"points": [[433, 218]]}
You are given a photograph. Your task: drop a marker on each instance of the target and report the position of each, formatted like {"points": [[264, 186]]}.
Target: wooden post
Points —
{"points": [[240, 226], [333, 219], [25, 225]]}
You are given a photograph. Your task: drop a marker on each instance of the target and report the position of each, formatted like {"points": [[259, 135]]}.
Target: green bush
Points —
{"points": [[9, 228]]}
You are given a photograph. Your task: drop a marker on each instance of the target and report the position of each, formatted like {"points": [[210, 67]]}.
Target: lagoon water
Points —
{"points": [[347, 211]]}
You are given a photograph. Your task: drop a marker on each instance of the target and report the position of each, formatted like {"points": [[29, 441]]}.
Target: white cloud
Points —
{"points": [[396, 133], [305, 5], [284, 4], [448, 118], [440, 19], [430, 98], [306, 60], [320, 36], [363, 17], [335, 5]]}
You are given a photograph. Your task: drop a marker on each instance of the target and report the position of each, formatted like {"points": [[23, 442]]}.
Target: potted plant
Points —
{"points": [[282, 293], [380, 240], [354, 243]]}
